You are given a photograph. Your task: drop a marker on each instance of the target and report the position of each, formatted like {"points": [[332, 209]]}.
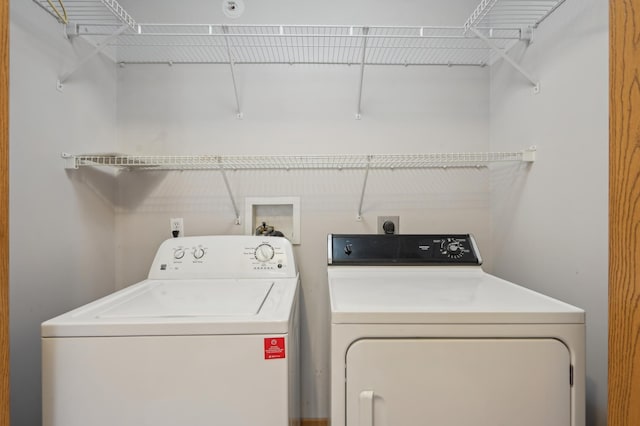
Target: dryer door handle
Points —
{"points": [[366, 408]]}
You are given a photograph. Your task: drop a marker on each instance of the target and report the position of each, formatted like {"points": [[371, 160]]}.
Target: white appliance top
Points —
{"points": [[445, 294], [422, 279], [197, 285]]}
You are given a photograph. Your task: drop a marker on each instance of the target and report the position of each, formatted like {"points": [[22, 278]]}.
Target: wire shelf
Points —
{"points": [[89, 12], [264, 44], [501, 21], [510, 13], [293, 162]]}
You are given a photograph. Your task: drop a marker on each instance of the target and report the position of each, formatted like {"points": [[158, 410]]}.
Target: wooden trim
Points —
{"points": [[315, 422], [624, 214], [4, 213]]}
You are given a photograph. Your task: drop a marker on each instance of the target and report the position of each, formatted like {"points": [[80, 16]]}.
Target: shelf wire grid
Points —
{"points": [[91, 12], [510, 13], [500, 20], [297, 44], [293, 162]]}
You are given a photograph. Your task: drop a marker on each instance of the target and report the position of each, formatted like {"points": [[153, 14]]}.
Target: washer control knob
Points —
{"points": [[264, 252], [348, 249], [178, 254], [198, 253]]}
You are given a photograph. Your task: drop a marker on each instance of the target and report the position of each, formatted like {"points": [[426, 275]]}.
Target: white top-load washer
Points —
{"points": [[421, 335], [210, 338]]}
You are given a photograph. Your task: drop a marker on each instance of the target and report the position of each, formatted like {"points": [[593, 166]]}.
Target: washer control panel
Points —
{"points": [[266, 256], [224, 257], [431, 249]]}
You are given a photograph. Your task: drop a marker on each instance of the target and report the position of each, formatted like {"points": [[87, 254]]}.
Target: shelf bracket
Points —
{"points": [[365, 31], [364, 187], [232, 63], [226, 183], [508, 59], [98, 48], [69, 161]]}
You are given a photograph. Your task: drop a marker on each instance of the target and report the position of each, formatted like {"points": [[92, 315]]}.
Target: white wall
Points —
{"points": [[554, 212], [62, 224], [549, 225], [301, 110]]}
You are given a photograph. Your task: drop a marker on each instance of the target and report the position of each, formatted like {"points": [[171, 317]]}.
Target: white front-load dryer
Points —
{"points": [[421, 335], [210, 338]]}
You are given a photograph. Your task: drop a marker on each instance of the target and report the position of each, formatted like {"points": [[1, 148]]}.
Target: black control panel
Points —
{"points": [[377, 249]]}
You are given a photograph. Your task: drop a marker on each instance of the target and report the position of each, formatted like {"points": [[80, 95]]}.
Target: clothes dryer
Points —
{"points": [[211, 337], [421, 335]]}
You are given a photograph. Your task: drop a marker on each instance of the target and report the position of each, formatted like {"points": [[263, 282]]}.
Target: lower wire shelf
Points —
{"points": [[295, 162], [225, 163]]}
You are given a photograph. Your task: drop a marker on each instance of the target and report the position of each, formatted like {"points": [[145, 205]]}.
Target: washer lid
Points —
{"points": [[167, 299], [423, 295], [183, 307]]}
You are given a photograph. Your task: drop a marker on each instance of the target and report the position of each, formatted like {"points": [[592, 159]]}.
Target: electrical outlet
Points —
{"points": [[388, 224], [177, 226]]}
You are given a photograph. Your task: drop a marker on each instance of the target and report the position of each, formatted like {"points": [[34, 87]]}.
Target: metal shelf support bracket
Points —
{"points": [[529, 154], [226, 183], [364, 187], [98, 48], [69, 161], [508, 59], [365, 31], [232, 63]]}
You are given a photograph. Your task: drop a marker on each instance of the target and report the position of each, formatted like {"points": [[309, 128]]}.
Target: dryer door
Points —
{"points": [[453, 382]]}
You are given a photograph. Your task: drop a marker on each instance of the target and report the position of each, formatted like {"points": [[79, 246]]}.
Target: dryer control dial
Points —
{"points": [[178, 254], [264, 252], [452, 247]]}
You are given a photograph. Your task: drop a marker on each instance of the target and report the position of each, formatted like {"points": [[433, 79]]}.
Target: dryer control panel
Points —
{"points": [[430, 249]]}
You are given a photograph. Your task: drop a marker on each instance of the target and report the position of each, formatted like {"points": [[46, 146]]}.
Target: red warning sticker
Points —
{"points": [[274, 348]]}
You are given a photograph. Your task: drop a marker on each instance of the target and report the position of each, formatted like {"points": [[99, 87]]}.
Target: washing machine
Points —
{"points": [[210, 338], [421, 335]]}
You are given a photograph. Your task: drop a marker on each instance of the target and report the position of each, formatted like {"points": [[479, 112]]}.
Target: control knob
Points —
{"points": [[178, 254], [452, 248], [198, 253], [264, 252]]}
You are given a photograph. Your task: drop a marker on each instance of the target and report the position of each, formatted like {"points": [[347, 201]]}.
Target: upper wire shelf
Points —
{"points": [[510, 13], [297, 162], [88, 12], [298, 44], [501, 21]]}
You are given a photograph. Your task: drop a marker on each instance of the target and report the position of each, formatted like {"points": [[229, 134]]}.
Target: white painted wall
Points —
{"points": [[301, 110], [549, 225], [556, 206], [62, 224]]}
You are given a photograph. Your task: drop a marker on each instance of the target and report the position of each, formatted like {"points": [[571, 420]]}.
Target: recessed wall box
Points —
{"points": [[283, 213]]}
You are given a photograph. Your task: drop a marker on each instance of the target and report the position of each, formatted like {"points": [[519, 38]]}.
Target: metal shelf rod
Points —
{"points": [[233, 72], [364, 187], [230, 192], [362, 64]]}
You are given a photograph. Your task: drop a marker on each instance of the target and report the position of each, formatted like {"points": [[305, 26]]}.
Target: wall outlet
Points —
{"points": [[388, 224], [177, 227]]}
